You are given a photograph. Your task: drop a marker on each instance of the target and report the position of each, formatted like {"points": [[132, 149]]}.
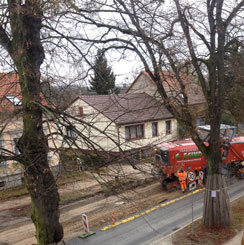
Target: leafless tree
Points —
{"points": [[175, 36], [172, 37], [21, 22]]}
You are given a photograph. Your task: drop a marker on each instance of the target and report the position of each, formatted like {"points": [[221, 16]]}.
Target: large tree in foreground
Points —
{"points": [[103, 80], [20, 37], [177, 37]]}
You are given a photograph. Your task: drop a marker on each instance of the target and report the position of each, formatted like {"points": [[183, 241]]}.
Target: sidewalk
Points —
{"points": [[235, 240]]}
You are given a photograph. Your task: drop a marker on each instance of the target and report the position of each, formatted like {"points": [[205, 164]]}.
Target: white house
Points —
{"points": [[123, 122]]}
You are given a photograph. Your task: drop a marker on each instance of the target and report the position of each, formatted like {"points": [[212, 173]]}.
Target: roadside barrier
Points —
{"points": [[200, 178], [85, 224]]}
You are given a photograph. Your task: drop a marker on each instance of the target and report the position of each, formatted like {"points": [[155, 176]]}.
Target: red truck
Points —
{"points": [[174, 156]]}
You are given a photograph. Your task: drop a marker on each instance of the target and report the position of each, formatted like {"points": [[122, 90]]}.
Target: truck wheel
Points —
{"points": [[164, 184], [240, 175], [169, 187]]}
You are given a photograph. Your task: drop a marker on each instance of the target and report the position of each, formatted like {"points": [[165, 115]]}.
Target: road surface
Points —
{"points": [[157, 224]]}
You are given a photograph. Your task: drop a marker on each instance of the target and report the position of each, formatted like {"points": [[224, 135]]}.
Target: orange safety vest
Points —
{"points": [[182, 176]]}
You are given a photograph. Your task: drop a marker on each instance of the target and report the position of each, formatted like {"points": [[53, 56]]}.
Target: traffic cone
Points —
{"points": [[113, 218]]}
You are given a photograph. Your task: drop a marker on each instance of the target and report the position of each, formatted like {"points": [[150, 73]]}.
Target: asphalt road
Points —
{"points": [[157, 224]]}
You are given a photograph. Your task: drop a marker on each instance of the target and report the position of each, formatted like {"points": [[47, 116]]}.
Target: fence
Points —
{"points": [[17, 179]]}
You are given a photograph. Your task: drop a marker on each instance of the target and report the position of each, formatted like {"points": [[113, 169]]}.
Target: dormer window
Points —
{"points": [[15, 100]]}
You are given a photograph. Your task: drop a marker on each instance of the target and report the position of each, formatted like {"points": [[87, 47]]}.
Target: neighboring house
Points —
{"points": [[12, 124], [122, 122], [196, 100], [134, 120]]}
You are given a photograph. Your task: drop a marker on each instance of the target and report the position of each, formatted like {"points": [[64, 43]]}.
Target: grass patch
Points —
{"points": [[61, 180], [13, 192], [72, 177], [71, 197]]}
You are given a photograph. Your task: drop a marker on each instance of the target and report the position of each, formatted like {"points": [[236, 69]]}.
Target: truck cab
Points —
{"points": [[227, 132]]}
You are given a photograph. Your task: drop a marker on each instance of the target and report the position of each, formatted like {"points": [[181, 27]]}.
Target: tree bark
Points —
{"points": [[216, 210], [27, 52]]}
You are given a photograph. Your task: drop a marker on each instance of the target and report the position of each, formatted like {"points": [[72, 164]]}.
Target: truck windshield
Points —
{"points": [[162, 157], [165, 156], [226, 131], [204, 135]]}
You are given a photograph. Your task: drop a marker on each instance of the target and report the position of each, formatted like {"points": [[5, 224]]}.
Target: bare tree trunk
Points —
{"points": [[27, 52], [40, 183], [45, 201], [216, 210]]}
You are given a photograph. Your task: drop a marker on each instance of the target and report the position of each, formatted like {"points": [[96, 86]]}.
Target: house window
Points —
{"points": [[71, 133], [154, 129], [200, 121], [15, 148], [2, 163], [49, 155], [168, 126], [134, 132], [15, 100]]}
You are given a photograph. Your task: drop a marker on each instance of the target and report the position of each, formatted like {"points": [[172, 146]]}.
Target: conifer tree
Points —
{"points": [[103, 80]]}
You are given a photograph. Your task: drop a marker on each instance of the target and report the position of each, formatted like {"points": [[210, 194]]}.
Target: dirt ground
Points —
{"points": [[133, 192], [126, 196], [212, 236]]}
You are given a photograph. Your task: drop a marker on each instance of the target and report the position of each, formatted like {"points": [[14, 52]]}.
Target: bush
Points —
{"points": [[81, 161]]}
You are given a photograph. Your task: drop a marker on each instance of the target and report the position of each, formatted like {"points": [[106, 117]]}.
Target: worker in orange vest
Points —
{"points": [[182, 179]]}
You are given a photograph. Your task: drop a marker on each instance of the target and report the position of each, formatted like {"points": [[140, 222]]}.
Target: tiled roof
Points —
{"points": [[128, 108], [9, 86], [172, 87], [10, 94]]}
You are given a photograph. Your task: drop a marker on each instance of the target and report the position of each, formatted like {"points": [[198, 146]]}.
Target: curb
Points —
{"points": [[150, 210], [169, 236]]}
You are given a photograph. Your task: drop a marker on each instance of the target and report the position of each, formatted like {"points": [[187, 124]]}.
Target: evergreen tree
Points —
{"points": [[103, 80]]}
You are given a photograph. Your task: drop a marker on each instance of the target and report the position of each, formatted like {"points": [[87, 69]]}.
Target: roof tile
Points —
{"points": [[10, 88], [128, 108]]}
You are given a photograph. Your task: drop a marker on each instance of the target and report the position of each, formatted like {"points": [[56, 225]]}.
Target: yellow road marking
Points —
{"points": [[150, 210]]}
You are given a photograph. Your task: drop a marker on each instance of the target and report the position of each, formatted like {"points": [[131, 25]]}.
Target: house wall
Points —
{"points": [[114, 135], [144, 85], [93, 128], [148, 140], [13, 129]]}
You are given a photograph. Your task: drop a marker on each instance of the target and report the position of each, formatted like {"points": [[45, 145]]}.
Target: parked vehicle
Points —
{"points": [[171, 157]]}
